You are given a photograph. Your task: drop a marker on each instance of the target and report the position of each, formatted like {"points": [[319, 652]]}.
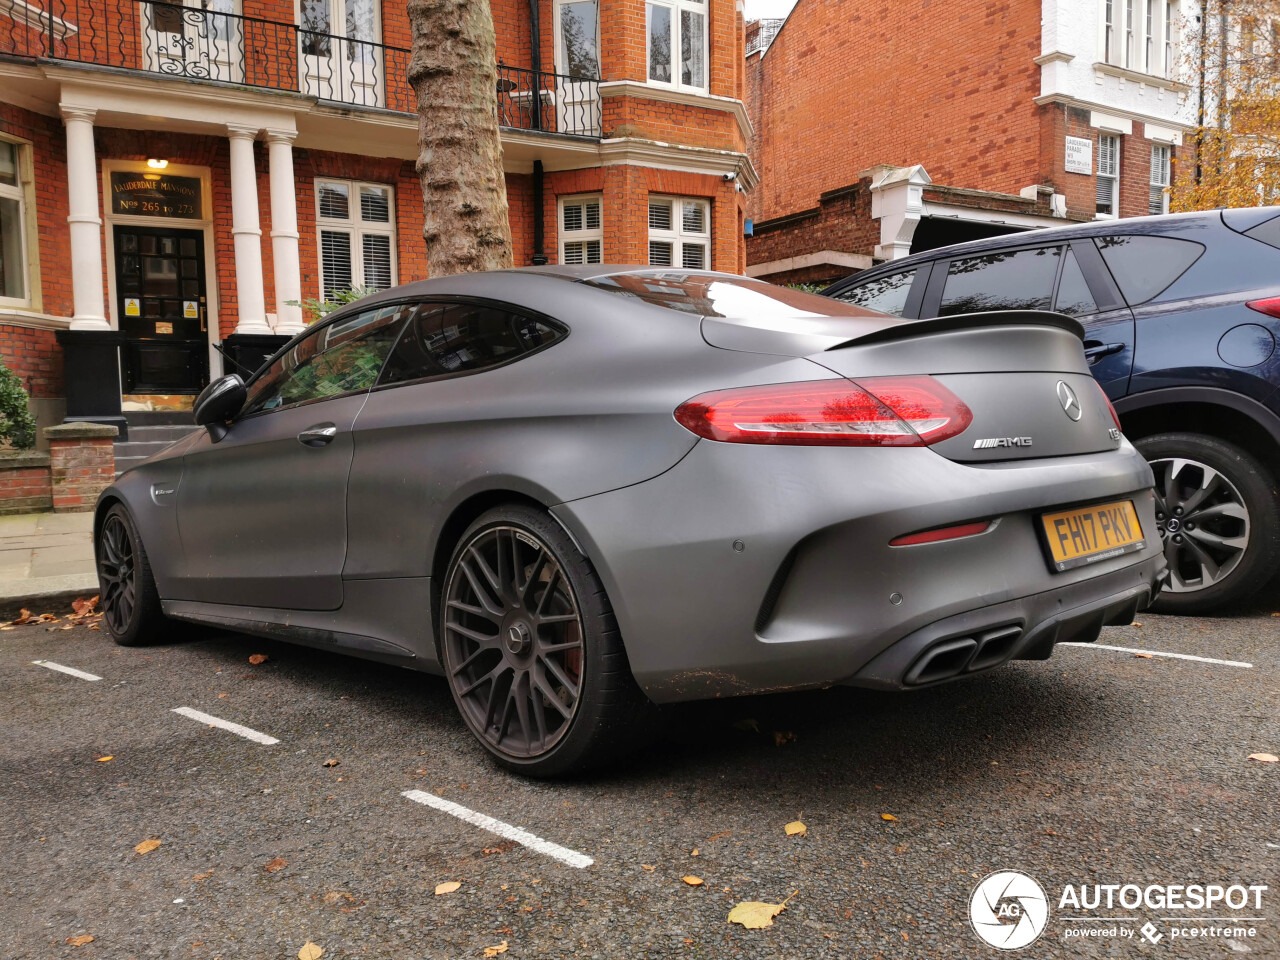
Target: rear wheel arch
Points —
{"points": [[100, 514], [1232, 417]]}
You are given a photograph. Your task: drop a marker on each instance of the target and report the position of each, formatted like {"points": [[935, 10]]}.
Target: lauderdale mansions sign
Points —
{"points": [[155, 195]]}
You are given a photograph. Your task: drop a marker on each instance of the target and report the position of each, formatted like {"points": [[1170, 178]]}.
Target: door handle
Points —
{"points": [[1095, 350], [318, 435]]}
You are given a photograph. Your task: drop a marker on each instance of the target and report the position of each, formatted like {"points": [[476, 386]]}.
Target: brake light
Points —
{"points": [[1270, 306], [1111, 408], [878, 412]]}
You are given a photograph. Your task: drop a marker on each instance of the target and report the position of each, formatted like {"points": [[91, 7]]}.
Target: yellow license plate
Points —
{"points": [[1087, 535]]}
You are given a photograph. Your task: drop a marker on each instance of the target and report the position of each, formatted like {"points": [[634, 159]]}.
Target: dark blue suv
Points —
{"points": [[1181, 316]]}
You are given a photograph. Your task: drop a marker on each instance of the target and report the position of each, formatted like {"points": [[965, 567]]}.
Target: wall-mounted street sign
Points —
{"points": [[155, 195], [1080, 155]]}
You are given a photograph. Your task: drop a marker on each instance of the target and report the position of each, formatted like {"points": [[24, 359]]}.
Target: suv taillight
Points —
{"points": [[1270, 306], [876, 412]]}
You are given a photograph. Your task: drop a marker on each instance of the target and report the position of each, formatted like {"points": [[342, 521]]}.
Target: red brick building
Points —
{"points": [[882, 129], [173, 174]]}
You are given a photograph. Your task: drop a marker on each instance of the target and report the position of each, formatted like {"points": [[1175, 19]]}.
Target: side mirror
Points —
{"points": [[219, 402]]}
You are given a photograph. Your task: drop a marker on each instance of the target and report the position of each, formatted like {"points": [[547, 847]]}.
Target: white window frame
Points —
{"points": [[1168, 29], [583, 235], [1114, 175], [20, 192], [677, 236], [675, 7], [1110, 36], [1161, 172], [356, 228], [1130, 40]]}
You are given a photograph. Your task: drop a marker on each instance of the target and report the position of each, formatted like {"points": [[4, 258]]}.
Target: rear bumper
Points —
{"points": [[747, 569]]}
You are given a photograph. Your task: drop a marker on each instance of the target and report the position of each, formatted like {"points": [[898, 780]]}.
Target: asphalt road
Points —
{"points": [[1097, 766]]}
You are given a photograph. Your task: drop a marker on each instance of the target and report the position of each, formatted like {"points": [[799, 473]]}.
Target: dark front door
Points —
{"points": [[161, 303]]}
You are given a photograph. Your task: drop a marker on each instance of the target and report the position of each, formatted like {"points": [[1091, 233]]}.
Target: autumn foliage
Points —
{"points": [[1232, 62]]}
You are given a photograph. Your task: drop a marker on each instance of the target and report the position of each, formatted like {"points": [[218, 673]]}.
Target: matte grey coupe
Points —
{"points": [[570, 490]]}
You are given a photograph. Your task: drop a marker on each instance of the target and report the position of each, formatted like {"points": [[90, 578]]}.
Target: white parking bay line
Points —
{"points": [[1161, 653], [235, 728], [505, 830], [70, 671]]}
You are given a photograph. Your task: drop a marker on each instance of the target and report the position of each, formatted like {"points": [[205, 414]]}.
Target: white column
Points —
{"points": [[897, 201], [247, 232], [83, 220], [284, 231]]}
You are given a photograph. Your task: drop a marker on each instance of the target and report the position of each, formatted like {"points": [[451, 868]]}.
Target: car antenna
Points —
{"points": [[227, 356]]}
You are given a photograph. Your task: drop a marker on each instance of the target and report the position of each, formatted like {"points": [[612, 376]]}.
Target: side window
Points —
{"points": [[448, 339], [1074, 298], [886, 294], [1017, 280], [339, 358], [1144, 267]]}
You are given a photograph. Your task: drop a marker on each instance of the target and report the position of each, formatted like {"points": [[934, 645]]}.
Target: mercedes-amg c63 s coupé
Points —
{"points": [[570, 490]]}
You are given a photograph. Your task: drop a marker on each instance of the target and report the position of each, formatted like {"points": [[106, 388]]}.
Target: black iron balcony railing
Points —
{"points": [[169, 38]]}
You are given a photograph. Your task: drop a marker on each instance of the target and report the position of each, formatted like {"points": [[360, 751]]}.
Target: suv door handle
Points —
{"points": [[1095, 350], [318, 435]]}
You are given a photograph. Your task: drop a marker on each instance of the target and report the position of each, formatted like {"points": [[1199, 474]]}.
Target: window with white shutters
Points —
{"points": [[1159, 202], [581, 230], [679, 233], [1108, 175], [355, 224]]}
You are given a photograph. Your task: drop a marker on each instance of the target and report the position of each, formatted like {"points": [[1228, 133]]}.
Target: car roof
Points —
{"points": [[1040, 235]]}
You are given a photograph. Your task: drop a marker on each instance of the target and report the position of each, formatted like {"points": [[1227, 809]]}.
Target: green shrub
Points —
{"points": [[317, 309], [17, 426]]}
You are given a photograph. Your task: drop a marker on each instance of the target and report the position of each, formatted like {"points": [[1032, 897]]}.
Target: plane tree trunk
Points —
{"points": [[453, 72]]}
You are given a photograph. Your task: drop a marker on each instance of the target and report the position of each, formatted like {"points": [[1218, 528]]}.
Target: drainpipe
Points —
{"points": [[535, 62], [539, 256]]}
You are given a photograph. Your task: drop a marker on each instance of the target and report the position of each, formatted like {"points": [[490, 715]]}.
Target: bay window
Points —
{"points": [[14, 285], [679, 233], [676, 38], [581, 230]]}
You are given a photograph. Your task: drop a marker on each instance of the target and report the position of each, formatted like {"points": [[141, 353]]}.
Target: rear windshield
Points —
{"points": [[721, 295]]}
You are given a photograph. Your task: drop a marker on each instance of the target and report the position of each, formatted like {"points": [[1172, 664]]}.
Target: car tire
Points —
{"points": [[127, 594], [1232, 535], [531, 649]]}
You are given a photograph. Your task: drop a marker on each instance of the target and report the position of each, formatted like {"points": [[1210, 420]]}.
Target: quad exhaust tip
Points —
{"points": [[950, 658]]}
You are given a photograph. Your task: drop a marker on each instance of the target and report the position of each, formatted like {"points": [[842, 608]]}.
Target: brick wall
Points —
{"points": [[80, 468], [848, 84], [24, 483]]}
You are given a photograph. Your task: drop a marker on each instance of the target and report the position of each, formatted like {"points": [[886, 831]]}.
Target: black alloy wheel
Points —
{"points": [[1218, 521], [127, 592], [530, 647]]}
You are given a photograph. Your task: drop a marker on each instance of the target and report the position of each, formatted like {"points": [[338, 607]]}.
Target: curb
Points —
{"points": [[47, 601]]}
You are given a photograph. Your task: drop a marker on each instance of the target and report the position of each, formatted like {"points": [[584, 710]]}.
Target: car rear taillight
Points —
{"points": [[939, 534], [877, 412], [1270, 306], [1111, 407]]}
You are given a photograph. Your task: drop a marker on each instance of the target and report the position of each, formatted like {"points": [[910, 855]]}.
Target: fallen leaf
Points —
{"points": [[106, 758], [754, 727], [494, 951], [717, 836], [256, 659], [202, 876], [146, 846], [889, 816], [223, 696], [84, 607], [447, 887], [693, 852], [1145, 656], [796, 829], [755, 915], [24, 616], [1135, 624], [272, 866], [332, 763], [645, 866], [780, 738], [1264, 757], [80, 941], [692, 881], [310, 951]]}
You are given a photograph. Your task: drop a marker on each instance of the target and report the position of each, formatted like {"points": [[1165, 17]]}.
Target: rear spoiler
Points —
{"points": [[967, 321]]}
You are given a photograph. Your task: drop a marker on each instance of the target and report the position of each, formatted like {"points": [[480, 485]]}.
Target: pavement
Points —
{"points": [[45, 555], [1098, 766]]}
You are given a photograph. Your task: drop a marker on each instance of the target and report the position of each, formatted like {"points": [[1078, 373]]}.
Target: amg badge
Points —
{"points": [[992, 442]]}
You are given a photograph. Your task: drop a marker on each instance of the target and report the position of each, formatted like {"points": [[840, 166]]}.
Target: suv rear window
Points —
{"points": [[886, 294], [1144, 267], [1268, 233], [1016, 280]]}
